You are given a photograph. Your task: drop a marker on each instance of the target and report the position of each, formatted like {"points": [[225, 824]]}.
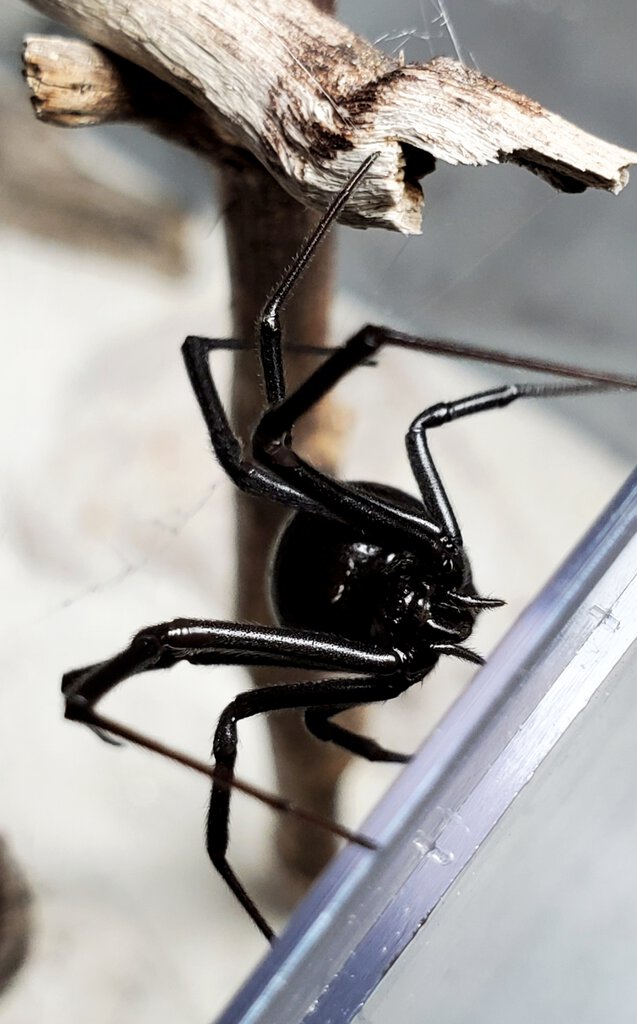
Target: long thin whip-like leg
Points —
{"points": [[277, 803]]}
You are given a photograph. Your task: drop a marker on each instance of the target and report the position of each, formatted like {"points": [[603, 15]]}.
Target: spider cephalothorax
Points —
{"points": [[371, 586], [358, 585]]}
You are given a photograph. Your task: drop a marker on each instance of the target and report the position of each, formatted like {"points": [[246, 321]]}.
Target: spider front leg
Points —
{"points": [[245, 473], [212, 642], [272, 448], [422, 464], [271, 439], [205, 642]]}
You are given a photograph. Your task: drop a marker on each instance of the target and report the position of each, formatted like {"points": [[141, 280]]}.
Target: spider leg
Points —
{"points": [[318, 721], [245, 473], [276, 698], [271, 443], [462, 350], [270, 323], [271, 447], [288, 480], [211, 642], [422, 464], [277, 423], [297, 486]]}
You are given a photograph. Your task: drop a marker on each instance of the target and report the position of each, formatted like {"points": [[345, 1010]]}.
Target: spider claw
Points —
{"points": [[439, 628], [105, 738], [78, 709], [476, 601], [456, 651]]}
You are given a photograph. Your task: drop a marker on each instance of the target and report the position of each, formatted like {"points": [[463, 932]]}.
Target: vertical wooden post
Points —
{"points": [[264, 229]]}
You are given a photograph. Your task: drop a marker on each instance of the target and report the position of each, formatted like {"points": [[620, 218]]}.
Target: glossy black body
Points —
{"points": [[328, 576]]}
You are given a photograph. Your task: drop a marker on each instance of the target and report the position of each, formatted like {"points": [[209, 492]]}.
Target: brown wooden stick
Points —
{"points": [[264, 229]]}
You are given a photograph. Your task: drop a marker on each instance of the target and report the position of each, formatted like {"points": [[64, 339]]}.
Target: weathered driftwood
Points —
{"points": [[309, 99]]}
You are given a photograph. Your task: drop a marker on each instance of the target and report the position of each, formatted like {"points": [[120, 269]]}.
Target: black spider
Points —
{"points": [[366, 580]]}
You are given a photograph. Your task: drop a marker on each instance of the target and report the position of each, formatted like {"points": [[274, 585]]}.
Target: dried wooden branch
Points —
{"points": [[307, 98]]}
